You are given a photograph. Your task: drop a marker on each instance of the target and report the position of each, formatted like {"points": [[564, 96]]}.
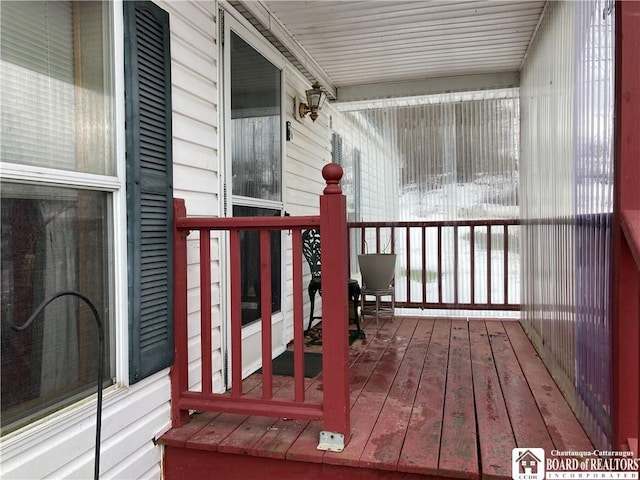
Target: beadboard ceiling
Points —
{"points": [[356, 44]]}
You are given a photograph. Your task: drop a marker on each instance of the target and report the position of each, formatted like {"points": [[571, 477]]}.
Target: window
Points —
{"points": [[256, 149], [57, 106]]}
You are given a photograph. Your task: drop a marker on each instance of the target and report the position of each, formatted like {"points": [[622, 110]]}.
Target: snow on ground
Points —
{"points": [[486, 198]]}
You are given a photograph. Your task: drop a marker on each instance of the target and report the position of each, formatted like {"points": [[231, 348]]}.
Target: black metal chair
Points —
{"points": [[311, 251]]}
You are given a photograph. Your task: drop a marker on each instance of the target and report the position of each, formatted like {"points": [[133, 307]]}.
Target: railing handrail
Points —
{"points": [[436, 223], [246, 223]]}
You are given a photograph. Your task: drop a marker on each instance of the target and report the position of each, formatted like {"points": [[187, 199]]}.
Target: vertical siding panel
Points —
{"points": [[439, 157], [567, 118], [545, 171]]}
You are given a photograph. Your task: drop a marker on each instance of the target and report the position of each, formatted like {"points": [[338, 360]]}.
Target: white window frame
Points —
{"points": [[84, 410]]}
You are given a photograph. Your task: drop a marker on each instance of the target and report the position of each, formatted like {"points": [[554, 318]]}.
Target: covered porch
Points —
{"points": [[443, 397]]}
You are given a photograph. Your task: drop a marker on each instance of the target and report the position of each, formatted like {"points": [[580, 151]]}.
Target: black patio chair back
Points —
{"points": [[311, 251]]}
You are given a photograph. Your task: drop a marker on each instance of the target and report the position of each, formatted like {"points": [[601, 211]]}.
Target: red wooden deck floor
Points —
{"points": [[437, 397]]}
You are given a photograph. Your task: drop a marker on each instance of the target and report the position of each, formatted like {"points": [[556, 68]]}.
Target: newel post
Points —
{"points": [[335, 313]]}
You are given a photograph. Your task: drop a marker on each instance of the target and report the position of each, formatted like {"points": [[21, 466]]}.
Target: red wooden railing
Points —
{"points": [[626, 416], [334, 408], [399, 238], [625, 410]]}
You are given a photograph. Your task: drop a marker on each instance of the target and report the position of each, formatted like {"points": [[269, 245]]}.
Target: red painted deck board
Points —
{"points": [[178, 437], [458, 449], [377, 342], [278, 438], [418, 389], [493, 421], [563, 427], [421, 449], [364, 415], [385, 443], [528, 425], [366, 404]]}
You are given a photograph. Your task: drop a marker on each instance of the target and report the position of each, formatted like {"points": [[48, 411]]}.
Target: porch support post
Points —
{"points": [[335, 315], [626, 285]]}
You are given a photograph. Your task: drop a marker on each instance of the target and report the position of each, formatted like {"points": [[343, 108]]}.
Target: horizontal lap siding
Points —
{"points": [[197, 164], [305, 155]]}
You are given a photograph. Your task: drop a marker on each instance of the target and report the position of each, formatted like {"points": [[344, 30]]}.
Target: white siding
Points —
{"points": [[305, 155], [196, 159], [61, 446]]}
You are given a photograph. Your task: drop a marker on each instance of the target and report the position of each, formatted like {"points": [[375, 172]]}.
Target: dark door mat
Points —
{"points": [[283, 364]]}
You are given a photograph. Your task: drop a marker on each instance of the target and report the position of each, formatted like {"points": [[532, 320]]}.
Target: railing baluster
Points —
{"points": [[439, 264], [455, 264], [472, 280], [298, 326], [424, 265], [506, 264], [489, 264], [408, 262], [205, 311], [236, 313], [377, 239], [265, 313], [392, 239]]}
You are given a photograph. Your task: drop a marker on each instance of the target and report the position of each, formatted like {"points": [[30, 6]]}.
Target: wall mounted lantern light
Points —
{"points": [[315, 100]]}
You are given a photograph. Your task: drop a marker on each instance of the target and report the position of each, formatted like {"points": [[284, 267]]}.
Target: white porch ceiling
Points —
{"points": [[398, 46]]}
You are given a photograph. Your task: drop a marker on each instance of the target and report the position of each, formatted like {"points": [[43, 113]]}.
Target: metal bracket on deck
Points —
{"points": [[333, 442]]}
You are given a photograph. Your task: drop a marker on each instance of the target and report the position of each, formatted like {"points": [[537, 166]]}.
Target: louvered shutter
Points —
{"points": [[149, 188]]}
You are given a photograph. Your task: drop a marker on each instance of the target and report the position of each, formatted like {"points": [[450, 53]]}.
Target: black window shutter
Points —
{"points": [[149, 188]]}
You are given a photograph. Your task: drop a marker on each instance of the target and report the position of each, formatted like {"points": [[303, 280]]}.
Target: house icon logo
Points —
{"points": [[527, 463]]}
